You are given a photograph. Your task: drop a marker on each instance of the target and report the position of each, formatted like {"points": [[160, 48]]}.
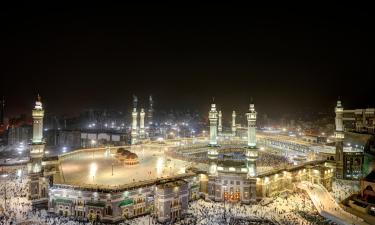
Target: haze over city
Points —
{"points": [[98, 56]]}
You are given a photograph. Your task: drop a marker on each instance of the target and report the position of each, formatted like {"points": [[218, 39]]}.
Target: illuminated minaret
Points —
{"points": [[212, 116], [150, 110], [213, 155], [251, 121], [142, 124], [134, 132], [37, 148], [252, 152], [234, 123], [220, 127], [38, 185], [339, 135]]}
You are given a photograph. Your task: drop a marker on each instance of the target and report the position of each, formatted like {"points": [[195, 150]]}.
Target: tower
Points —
{"points": [[251, 121], [339, 136], [213, 155], [142, 124], [251, 152], [38, 184], [212, 116], [150, 110], [37, 147], [220, 127], [234, 123], [134, 131]]}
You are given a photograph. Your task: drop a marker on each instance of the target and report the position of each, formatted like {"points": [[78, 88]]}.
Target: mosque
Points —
{"points": [[113, 184]]}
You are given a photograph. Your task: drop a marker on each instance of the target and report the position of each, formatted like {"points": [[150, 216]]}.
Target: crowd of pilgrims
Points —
{"points": [[295, 208], [265, 159], [341, 189]]}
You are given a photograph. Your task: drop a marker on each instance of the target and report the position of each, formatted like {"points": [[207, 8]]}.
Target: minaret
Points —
{"points": [[142, 124], [251, 121], [150, 110], [212, 116], [220, 127], [212, 155], [38, 185], [252, 152], [234, 123], [37, 148], [339, 135], [134, 132]]}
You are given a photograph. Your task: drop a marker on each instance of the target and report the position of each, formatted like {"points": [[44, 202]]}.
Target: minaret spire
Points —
{"points": [[37, 146], [38, 115], [142, 124], [220, 127], [339, 136], [252, 152], [213, 116], [134, 130], [234, 123], [37, 182], [150, 110]]}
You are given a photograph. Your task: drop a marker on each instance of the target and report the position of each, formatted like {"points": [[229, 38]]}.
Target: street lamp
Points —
{"points": [[93, 142]]}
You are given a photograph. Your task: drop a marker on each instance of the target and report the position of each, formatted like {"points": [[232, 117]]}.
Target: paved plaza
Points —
{"points": [[95, 167]]}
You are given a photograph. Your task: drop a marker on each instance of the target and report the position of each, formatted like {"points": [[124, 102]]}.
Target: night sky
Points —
{"points": [[96, 56]]}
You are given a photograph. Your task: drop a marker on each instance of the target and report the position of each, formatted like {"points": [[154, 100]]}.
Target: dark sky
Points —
{"points": [[98, 56]]}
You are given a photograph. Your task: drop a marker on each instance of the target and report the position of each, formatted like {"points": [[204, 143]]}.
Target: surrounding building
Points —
{"points": [[171, 200], [355, 147], [363, 203], [359, 120], [20, 134]]}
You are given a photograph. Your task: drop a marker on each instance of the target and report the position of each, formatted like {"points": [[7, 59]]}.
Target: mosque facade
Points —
{"points": [[227, 178]]}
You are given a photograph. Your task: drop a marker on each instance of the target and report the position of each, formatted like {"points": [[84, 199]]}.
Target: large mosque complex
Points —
{"points": [[111, 184]]}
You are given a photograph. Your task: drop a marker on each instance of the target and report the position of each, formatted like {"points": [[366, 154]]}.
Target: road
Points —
{"points": [[327, 206]]}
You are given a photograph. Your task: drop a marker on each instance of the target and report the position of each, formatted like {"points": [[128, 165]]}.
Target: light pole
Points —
{"points": [[112, 169]]}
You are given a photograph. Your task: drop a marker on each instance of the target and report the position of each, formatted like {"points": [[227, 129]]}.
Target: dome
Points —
{"points": [[132, 156], [120, 150], [125, 152]]}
